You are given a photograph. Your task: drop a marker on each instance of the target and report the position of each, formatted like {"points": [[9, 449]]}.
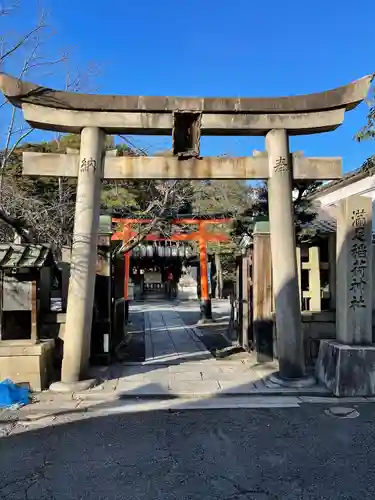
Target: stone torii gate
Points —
{"points": [[94, 116]]}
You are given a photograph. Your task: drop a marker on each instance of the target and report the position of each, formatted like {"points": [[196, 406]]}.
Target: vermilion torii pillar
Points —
{"points": [[186, 119], [205, 299], [126, 235]]}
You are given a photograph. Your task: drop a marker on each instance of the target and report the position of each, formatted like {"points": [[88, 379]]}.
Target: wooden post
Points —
{"points": [[65, 275], [239, 297], [45, 290], [314, 279], [262, 293], [205, 303], [219, 276], [125, 239], [299, 267], [126, 275], [245, 302], [34, 312], [126, 285], [332, 270], [102, 340]]}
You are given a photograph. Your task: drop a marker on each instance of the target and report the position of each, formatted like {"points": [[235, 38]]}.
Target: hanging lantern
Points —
{"points": [[167, 251], [149, 251], [142, 250], [174, 251], [161, 251], [155, 249], [181, 251]]}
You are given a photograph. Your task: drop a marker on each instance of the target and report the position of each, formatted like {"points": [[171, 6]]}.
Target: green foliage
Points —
{"points": [[117, 196], [55, 197], [368, 130], [304, 210], [226, 198], [158, 200], [39, 208], [220, 197], [368, 166]]}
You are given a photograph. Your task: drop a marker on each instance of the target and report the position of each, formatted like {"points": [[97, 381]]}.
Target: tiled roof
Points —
{"points": [[326, 222], [24, 255], [365, 170]]}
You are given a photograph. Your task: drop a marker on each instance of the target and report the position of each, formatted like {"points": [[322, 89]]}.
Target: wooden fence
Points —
{"points": [[316, 265], [254, 301], [317, 275]]}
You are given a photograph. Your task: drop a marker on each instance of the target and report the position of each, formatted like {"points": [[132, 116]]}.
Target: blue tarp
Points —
{"points": [[12, 394]]}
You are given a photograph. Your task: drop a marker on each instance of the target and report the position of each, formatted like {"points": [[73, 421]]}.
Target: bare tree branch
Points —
{"points": [[5, 11], [33, 215]]}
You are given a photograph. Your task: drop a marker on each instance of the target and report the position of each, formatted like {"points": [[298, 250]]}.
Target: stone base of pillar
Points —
{"points": [[81, 385], [293, 383], [206, 310], [347, 370]]}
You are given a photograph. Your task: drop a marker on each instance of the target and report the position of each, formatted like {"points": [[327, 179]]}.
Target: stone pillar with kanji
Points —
{"points": [[347, 365], [354, 271]]}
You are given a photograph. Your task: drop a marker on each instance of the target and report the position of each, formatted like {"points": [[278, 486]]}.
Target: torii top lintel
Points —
{"points": [[65, 111], [347, 96]]}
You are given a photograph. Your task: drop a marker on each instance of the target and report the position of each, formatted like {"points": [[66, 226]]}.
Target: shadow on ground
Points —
{"points": [[273, 454]]}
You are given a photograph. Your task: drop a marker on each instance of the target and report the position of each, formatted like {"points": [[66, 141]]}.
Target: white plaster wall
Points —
{"points": [[363, 187]]}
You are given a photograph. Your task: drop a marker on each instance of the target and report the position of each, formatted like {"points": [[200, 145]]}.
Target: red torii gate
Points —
{"points": [[202, 236]]}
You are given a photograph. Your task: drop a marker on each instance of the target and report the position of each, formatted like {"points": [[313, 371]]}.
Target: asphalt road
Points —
{"points": [[260, 454]]}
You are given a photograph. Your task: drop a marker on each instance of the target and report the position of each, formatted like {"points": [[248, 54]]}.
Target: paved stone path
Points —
{"points": [[167, 337], [178, 364], [178, 374]]}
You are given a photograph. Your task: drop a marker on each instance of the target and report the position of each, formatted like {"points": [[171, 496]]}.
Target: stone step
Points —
{"points": [[191, 390]]}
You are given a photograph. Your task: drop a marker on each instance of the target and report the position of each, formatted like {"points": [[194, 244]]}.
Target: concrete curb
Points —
{"points": [[98, 395], [60, 407]]}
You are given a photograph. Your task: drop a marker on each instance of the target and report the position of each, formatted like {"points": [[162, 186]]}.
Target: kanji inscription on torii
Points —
{"points": [[354, 271], [281, 164], [88, 165], [359, 254]]}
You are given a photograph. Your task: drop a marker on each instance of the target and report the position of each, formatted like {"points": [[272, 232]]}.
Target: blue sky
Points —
{"points": [[221, 48]]}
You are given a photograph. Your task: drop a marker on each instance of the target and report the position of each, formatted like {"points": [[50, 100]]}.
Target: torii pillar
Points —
{"points": [[186, 119], [205, 299], [283, 250], [79, 312]]}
